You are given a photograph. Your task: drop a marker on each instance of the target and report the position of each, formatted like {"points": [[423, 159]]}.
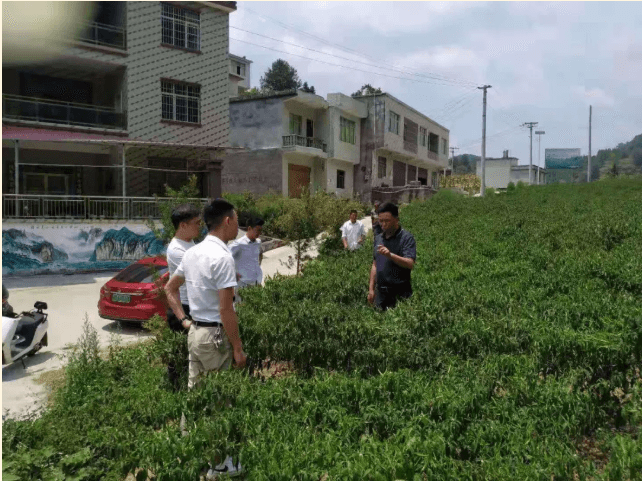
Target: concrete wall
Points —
{"points": [[498, 172], [336, 147], [332, 165], [371, 130], [258, 172], [257, 124]]}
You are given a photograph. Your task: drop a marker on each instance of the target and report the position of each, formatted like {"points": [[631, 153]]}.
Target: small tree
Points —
{"points": [[367, 89], [297, 224], [307, 89], [281, 76], [188, 193]]}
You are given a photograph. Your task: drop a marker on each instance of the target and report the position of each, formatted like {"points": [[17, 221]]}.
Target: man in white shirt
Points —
{"points": [[247, 255], [187, 222], [353, 232], [209, 272]]}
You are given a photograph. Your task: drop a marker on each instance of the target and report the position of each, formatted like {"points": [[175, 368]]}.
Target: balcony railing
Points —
{"points": [[106, 35], [301, 141], [83, 207], [16, 107]]}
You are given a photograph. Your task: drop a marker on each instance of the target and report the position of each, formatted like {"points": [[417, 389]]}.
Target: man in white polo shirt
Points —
{"points": [[247, 255], [187, 222], [353, 232], [208, 270]]}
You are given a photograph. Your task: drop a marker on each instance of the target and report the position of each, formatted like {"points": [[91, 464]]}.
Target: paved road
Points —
{"points": [[71, 298]]}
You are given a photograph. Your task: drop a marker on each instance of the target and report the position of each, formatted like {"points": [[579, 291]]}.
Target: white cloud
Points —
{"points": [[595, 96]]}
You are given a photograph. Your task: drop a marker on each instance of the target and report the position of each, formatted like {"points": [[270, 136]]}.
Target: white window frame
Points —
{"points": [[173, 19], [423, 136], [347, 130], [393, 121], [175, 93]]}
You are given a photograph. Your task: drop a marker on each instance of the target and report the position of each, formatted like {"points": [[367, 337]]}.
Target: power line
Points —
{"points": [[290, 27], [337, 65], [455, 82]]}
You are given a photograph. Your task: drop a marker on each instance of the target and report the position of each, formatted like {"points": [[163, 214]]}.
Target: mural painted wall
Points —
{"points": [[30, 248]]}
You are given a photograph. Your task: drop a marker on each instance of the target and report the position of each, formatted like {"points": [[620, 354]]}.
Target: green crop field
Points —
{"points": [[517, 358]]}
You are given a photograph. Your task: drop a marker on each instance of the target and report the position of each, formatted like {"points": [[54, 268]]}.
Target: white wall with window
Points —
{"points": [[339, 177]]}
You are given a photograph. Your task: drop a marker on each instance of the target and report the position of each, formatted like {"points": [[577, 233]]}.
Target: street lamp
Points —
{"points": [[539, 134]]}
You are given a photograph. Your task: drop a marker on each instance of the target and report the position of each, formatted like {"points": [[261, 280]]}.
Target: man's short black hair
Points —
{"points": [[353, 211], [215, 212], [389, 207], [255, 221], [184, 213]]}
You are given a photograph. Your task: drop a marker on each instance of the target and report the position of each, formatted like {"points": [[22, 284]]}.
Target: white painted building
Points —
{"points": [[239, 75], [502, 171]]}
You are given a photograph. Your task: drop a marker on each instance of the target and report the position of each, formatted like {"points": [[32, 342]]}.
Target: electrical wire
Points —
{"points": [[289, 27]]}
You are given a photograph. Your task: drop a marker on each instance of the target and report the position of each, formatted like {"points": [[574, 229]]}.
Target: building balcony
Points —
{"points": [[308, 144], [104, 35], [83, 207], [18, 108]]}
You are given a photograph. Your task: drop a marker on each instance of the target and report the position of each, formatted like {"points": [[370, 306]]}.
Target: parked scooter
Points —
{"points": [[22, 334]]}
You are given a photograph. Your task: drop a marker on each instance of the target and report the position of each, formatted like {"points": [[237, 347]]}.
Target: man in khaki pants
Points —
{"points": [[209, 271]]}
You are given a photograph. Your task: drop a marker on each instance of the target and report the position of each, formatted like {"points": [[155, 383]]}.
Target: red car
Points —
{"points": [[133, 294]]}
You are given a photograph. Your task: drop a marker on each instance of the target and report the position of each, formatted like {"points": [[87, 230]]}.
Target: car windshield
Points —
{"points": [[140, 273]]}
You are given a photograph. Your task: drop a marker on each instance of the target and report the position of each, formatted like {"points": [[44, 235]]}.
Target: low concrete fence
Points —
{"points": [[402, 195]]}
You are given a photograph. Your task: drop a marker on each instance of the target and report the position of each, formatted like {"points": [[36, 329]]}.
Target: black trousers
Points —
{"points": [[172, 372], [386, 296]]}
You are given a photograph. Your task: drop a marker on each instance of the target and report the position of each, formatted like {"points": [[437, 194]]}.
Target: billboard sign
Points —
{"points": [[563, 159]]}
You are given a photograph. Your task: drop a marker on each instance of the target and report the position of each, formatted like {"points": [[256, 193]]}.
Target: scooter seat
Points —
{"points": [[27, 326]]}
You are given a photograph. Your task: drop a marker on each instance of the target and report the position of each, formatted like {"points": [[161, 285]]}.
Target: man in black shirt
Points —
{"points": [[395, 252]]}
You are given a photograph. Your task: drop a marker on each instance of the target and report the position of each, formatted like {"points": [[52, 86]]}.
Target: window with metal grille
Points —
{"points": [[393, 123], [348, 130], [181, 27], [181, 102], [381, 168], [423, 136], [341, 179]]}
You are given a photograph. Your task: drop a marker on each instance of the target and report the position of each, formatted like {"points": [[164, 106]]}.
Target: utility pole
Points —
{"points": [[588, 170], [452, 153], [539, 134], [530, 165], [483, 156]]}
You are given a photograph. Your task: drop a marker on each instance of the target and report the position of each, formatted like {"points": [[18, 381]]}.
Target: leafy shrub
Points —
{"points": [[523, 337]]}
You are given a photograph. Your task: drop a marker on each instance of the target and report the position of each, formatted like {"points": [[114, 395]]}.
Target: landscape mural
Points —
{"points": [[68, 248]]}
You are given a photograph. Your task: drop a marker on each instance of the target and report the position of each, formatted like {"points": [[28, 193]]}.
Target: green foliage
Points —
{"points": [[188, 193], [522, 339], [465, 164], [367, 89], [511, 187], [280, 76], [308, 89]]}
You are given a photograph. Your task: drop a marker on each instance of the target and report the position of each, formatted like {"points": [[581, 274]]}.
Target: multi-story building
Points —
{"points": [[239, 75], [294, 139], [502, 171], [140, 100], [399, 145]]}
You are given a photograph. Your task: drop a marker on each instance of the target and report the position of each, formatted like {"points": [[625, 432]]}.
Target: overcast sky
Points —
{"points": [[546, 62]]}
